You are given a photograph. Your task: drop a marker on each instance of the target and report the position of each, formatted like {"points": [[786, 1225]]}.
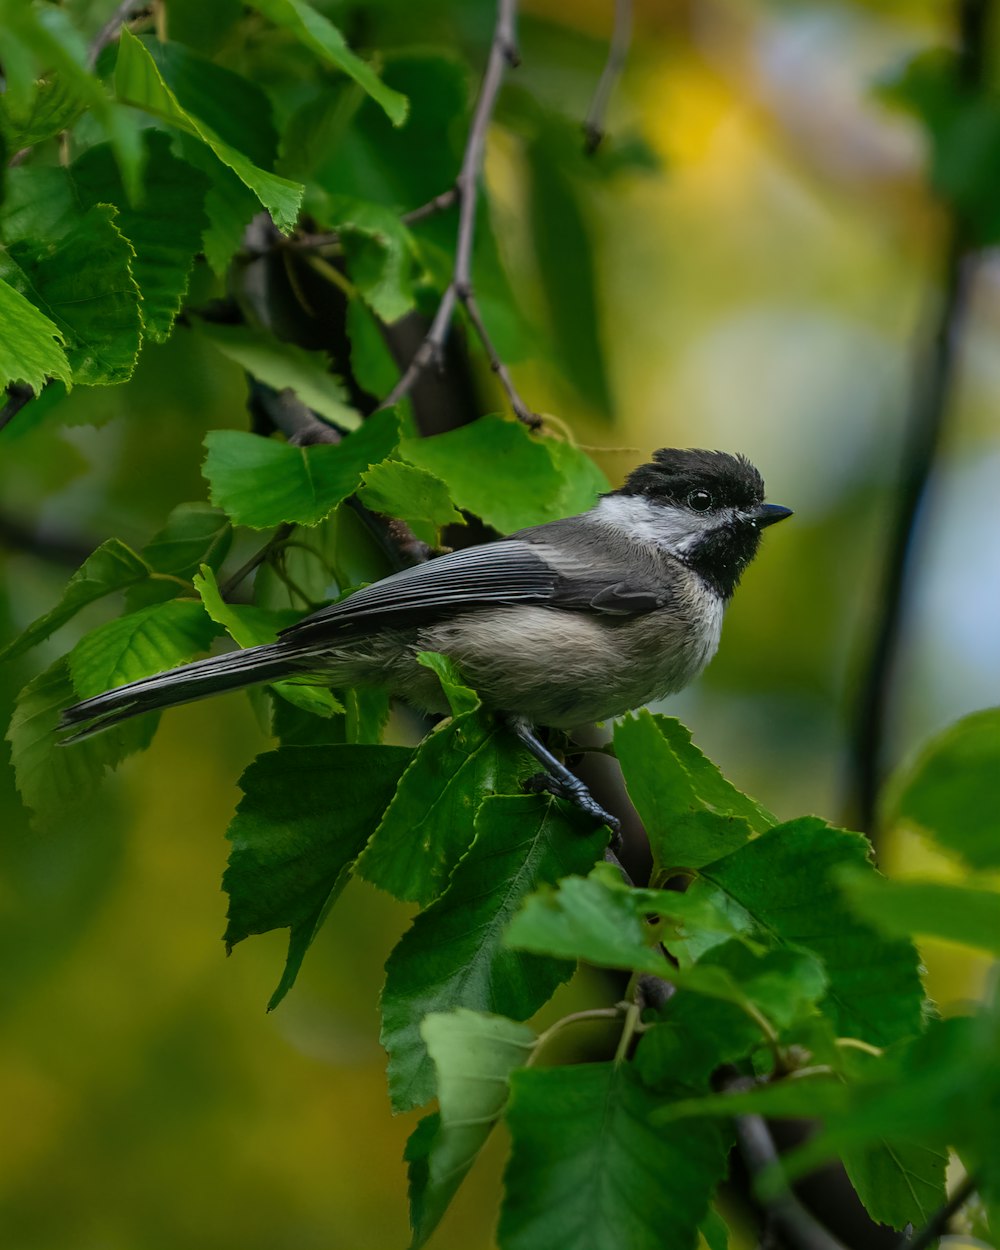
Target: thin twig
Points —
{"points": [[503, 53], [17, 396], [939, 1221], [621, 37], [111, 29], [932, 390], [314, 242]]}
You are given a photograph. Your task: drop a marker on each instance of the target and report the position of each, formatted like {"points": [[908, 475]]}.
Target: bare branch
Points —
{"points": [[503, 53], [621, 37], [933, 387], [111, 29], [438, 205]]}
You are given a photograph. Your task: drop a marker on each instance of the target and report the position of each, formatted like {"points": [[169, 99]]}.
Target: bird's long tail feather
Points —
{"points": [[181, 685]]}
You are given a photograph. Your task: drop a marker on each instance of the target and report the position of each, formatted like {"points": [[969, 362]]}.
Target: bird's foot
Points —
{"points": [[577, 794]]}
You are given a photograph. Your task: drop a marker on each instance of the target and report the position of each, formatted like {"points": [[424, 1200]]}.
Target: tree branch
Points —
{"points": [[932, 389], [112, 28], [503, 53], [621, 37]]}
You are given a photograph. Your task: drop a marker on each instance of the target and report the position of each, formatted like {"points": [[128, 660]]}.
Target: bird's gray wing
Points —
{"points": [[510, 571]]}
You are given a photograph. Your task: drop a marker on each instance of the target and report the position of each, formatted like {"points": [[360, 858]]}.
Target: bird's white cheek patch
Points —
{"points": [[674, 529]]}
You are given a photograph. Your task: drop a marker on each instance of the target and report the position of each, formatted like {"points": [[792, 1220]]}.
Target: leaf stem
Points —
{"points": [[576, 1017]]}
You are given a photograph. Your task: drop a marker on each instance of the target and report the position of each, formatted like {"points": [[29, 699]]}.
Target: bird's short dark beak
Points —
{"points": [[767, 513]]}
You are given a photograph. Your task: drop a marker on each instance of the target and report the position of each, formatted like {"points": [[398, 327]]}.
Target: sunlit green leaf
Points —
{"points": [[453, 955], [31, 348], [261, 482], [400, 490], [304, 815]]}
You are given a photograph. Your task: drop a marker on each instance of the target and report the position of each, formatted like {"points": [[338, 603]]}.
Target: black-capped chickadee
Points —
{"points": [[561, 624]]}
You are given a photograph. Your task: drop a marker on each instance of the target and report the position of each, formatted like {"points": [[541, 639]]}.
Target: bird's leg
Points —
{"points": [[558, 779]]}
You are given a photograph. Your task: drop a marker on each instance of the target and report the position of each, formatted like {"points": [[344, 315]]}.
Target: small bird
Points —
{"points": [[574, 621]]}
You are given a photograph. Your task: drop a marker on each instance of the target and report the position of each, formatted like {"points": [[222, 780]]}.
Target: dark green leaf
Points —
{"points": [[951, 790], [473, 1056], [139, 82], [957, 913], [320, 36], [283, 365], [50, 777], [52, 106], [898, 1183], [113, 566], [195, 534], [696, 1036], [494, 468], [261, 482], [453, 955], [139, 644], [588, 1171], [304, 815], [371, 361], [429, 823], [31, 349], [85, 285], [691, 813], [165, 232], [783, 882]]}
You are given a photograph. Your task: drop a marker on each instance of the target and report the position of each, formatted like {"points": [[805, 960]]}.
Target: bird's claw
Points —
{"points": [[580, 797]]}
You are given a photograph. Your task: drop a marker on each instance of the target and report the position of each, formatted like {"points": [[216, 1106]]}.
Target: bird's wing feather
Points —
{"points": [[507, 572]]}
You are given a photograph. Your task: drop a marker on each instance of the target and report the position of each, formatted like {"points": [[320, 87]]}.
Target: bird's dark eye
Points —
{"points": [[700, 500]]}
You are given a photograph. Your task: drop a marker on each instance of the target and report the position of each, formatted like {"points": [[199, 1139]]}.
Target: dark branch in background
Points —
{"points": [[933, 387], [621, 37], [939, 1221], [17, 396], [112, 27], [503, 53]]}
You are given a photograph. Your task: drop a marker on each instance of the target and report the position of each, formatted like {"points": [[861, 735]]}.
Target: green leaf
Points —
{"points": [[113, 566], [696, 1036], [957, 913], [898, 1183], [371, 361], [587, 1169], [460, 697], [584, 481], [52, 778], [283, 365], [320, 36], [691, 813], [52, 105], [229, 205], [304, 815], [261, 482], [430, 821], [85, 285], [453, 955], [251, 626], [473, 1055], [715, 1231], [400, 490], [31, 349], [138, 82], [951, 789], [784, 885], [379, 252], [165, 232], [494, 468], [137, 645], [195, 534]]}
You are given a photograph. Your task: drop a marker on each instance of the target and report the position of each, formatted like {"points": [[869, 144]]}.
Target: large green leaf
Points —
{"points": [[165, 232], [430, 821], [453, 955], [85, 285], [138, 81], [782, 885], [898, 1183], [588, 1171], [50, 777], [53, 104], [113, 566], [957, 913], [320, 36], [951, 789], [691, 813], [304, 815], [139, 644], [473, 1056], [31, 347], [494, 468], [261, 482], [284, 365]]}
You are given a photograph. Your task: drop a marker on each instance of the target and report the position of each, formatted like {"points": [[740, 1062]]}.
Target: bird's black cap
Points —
{"points": [[674, 472]]}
